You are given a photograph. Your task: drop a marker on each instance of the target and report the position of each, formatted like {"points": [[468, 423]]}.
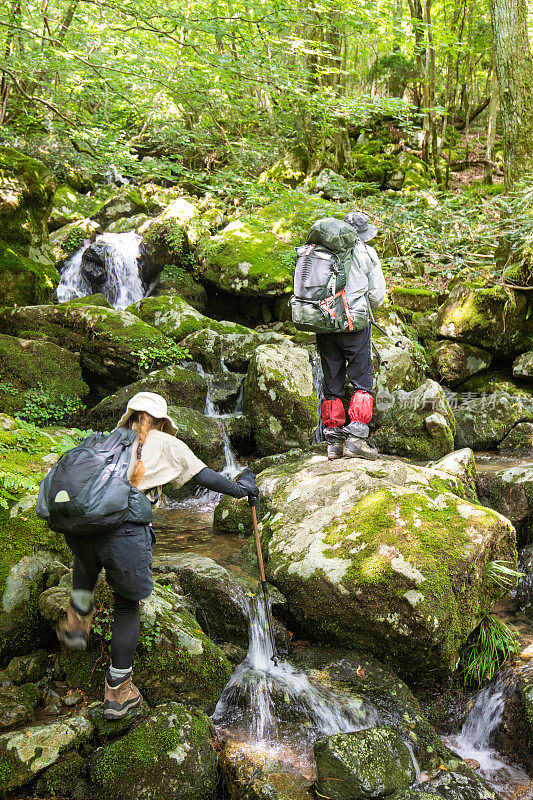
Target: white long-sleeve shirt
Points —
{"points": [[369, 278]]}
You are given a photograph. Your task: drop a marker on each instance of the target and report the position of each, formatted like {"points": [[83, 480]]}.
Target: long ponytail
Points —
{"points": [[143, 423]]}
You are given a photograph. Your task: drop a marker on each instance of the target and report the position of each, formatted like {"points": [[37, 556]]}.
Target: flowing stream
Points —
{"points": [[122, 284], [275, 709], [475, 739]]}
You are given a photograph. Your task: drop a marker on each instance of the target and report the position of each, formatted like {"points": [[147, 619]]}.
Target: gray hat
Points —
{"points": [[365, 230]]}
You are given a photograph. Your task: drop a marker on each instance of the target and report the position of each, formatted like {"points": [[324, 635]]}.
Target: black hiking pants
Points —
{"points": [[346, 354], [126, 556]]}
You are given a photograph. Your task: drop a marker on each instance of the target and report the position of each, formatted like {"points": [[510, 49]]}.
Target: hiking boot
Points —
{"points": [[355, 447], [73, 629], [335, 450], [118, 700]]}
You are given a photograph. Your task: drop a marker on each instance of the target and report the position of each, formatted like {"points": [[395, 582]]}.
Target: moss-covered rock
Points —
{"points": [[126, 202], [418, 424], [173, 759], [519, 439], [495, 316], [462, 464], [218, 351], [67, 240], [202, 434], [26, 191], [25, 753], [178, 385], [373, 763], [17, 704], [28, 669], [483, 422], [523, 365], [66, 778], [456, 361], [109, 341], [279, 398], [24, 281], [383, 556], [493, 382], [254, 255], [415, 298], [176, 281], [291, 169], [26, 365], [176, 319], [398, 367], [68, 206]]}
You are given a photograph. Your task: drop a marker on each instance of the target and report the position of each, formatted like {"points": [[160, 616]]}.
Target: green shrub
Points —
{"points": [[493, 644], [41, 408]]}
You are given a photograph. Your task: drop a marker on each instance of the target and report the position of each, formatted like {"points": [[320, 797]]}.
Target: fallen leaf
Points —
{"points": [[361, 672]]}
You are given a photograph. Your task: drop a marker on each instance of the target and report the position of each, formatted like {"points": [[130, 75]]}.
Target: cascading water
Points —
{"points": [[473, 741], [119, 281], [276, 708]]}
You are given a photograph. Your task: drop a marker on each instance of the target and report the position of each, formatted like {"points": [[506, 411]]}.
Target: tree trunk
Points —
{"points": [[514, 67], [491, 130]]}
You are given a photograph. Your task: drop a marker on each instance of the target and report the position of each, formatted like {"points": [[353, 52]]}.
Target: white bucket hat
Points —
{"points": [[153, 404]]}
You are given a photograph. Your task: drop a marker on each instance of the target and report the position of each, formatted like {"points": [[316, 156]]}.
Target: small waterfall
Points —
{"points": [[269, 707], [473, 741], [116, 275]]}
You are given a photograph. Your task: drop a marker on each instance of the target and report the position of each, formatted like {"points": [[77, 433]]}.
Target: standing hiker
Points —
{"points": [[350, 353], [157, 458]]}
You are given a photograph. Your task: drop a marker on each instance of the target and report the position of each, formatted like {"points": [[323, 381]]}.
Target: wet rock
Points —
{"points": [[225, 389], [414, 298], [179, 387], [52, 704], [28, 669], [27, 364], [174, 759], [493, 383], [462, 464], [373, 763], [177, 319], [483, 422], [456, 361], [69, 206], [126, 202], [279, 398], [509, 490], [495, 316], [519, 439], [67, 240], [23, 280], [108, 340], [455, 784], [54, 603], [405, 368], [17, 704], [249, 774], [523, 365], [383, 556], [25, 753], [418, 424]]}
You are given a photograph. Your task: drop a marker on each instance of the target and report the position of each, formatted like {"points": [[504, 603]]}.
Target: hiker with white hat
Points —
{"points": [[157, 458]]}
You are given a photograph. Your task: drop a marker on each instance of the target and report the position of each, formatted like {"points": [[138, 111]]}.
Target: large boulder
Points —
{"points": [[17, 704], [26, 365], [495, 316], [383, 556], [419, 424], [26, 191], [258, 775], [169, 756], [364, 765], [68, 239], [109, 341], [204, 435], [219, 351], [399, 366], [483, 422], [179, 386], [523, 365], [254, 255], [279, 398], [24, 280], [519, 439], [177, 319], [456, 361], [509, 490], [25, 753]]}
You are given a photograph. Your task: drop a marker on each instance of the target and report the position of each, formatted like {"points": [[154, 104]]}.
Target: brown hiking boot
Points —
{"points": [[355, 447], [119, 699], [73, 630]]}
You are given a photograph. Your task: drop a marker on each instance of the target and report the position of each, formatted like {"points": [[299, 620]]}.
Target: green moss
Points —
{"points": [[175, 318], [62, 778], [23, 281], [490, 382]]}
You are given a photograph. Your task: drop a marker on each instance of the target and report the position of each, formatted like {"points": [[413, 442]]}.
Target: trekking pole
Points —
{"points": [[275, 656]]}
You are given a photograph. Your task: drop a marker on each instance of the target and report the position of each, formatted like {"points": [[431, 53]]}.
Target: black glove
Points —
{"points": [[247, 482]]}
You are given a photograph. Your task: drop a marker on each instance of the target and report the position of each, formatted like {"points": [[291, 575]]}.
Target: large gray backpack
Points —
{"points": [[322, 264], [87, 490]]}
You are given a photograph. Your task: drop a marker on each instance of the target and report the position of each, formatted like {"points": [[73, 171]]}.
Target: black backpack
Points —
{"points": [[322, 263], [87, 490]]}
